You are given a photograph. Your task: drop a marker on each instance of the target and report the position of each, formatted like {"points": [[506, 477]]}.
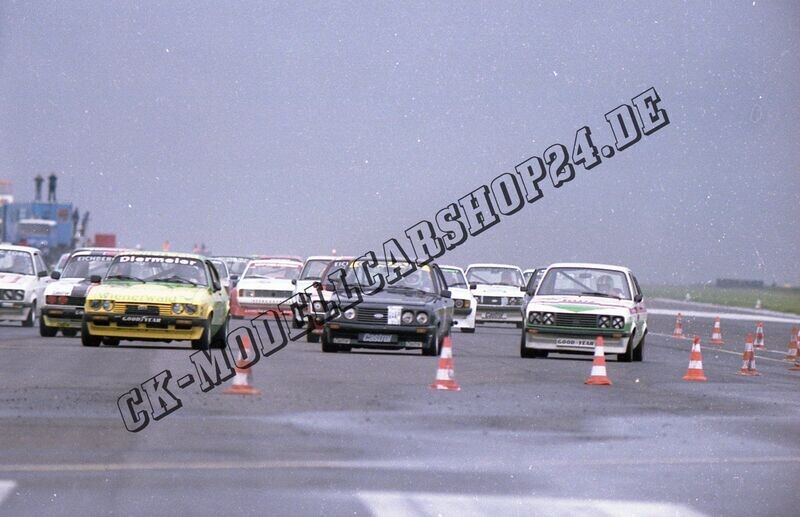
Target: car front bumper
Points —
{"points": [[499, 314], [14, 311], [464, 319], [152, 327], [62, 316], [359, 335], [240, 310], [582, 340]]}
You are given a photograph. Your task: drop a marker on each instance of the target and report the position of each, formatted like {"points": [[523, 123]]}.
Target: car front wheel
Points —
{"points": [[627, 355], [204, 342], [87, 339], [46, 331], [327, 346], [31, 319], [638, 353]]}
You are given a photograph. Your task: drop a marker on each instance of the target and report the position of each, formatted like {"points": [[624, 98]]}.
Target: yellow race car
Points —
{"points": [[157, 296]]}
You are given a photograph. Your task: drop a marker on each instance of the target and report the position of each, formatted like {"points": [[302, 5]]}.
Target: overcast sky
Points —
{"points": [[297, 128]]}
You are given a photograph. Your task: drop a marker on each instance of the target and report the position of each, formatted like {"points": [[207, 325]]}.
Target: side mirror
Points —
{"points": [[523, 289], [637, 298], [446, 293], [473, 286], [95, 279], [294, 281], [55, 275], [42, 273]]}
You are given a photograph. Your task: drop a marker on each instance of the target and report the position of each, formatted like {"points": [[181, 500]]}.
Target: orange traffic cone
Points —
{"points": [[759, 342], [749, 358], [791, 353], [695, 371], [678, 332], [598, 376], [444, 373], [796, 366], [241, 382], [716, 334]]}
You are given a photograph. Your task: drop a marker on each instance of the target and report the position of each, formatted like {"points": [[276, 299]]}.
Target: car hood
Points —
{"points": [[497, 290], [461, 293], [270, 284], [15, 281], [581, 304], [150, 292], [68, 287], [304, 284]]}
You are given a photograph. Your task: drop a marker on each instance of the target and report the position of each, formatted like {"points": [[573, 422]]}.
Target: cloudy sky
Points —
{"points": [[299, 127]]}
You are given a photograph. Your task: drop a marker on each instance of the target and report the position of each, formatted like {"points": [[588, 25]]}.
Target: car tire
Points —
{"points": [[204, 342], [69, 332], [524, 352], [111, 341], [627, 355], [638, 353], [46, 331], [434, 347], [311, 337], [327, 346], [87, 339], [468, 330], [218, 341], [31, 319]]}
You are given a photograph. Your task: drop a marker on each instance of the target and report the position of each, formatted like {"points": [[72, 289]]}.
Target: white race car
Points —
{"points": [[23, 279], [264, 285], [464, 304], [311, 272], [499, 289], [63, 301], [575, 303]]}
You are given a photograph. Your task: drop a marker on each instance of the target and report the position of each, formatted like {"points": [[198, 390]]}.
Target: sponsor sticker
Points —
{"points": [[393, 313]]}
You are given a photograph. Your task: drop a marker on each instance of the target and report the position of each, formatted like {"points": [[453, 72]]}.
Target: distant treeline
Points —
{"points": [[735, 283]]}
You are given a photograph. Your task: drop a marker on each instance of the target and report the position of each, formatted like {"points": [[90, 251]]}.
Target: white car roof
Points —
{"points": [[510, 266], [451, 267], [319, 257], [14, 247], [275, 262], [590, 265]]}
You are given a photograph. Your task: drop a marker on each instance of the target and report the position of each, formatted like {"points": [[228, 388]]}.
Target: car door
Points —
{"points": [[218, 298], [446, 304], [640, 312], [42, 278]]}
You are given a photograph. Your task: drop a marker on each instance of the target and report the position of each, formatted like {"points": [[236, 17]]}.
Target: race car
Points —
{"points": [[264, 285], [23, 279], [224, 273], [415, 312], [320, 302], [464, 304], [311, 273], [498, 290], [574, 303], [65, 297], [157, 296], [236, 266]]}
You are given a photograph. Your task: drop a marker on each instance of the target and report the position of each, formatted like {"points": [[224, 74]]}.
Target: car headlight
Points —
{"points": [[617, 322], [407, 318], [108, 305], [177, 308], [350, 314], [459, 304], [96, 304], [422, 318], [535, 318], [190, 308], [19, 294], [548, 318], [247, 293], [514, 301], [317, 306], [604, 322]]}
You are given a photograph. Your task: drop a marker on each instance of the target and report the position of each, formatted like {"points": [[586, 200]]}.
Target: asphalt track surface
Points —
{"points": [[362, 434]]}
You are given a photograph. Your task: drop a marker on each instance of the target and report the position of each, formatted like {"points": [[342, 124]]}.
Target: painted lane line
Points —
{"points": [[725, 316], [6, 486], [709, 348], [382, 465], [430, 504]]}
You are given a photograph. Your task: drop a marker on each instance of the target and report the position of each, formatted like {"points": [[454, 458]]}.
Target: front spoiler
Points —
{"points": [[167, 328], [568, 343]]}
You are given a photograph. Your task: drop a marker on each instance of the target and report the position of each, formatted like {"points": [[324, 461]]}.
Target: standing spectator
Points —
{"points": [[51, 190], [38, 180]]}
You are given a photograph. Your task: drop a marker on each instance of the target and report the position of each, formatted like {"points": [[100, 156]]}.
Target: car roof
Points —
{"points": [[142, 253], [14, 247], [98, 250], [450, 267], [494, 265], [320, 257], [275, 262], [590, 265]]}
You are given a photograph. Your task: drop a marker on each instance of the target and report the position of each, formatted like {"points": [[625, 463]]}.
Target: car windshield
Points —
{"points": [[236, 265], [272, 271], [454, 277], [14, 261], [158, 268], [419, 280], [496, 276], [313, 269], [84, 266], [604, 283]]}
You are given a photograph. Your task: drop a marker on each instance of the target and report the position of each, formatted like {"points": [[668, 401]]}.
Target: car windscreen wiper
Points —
{"points": [[125, 277], [596, 293], [406, 288], [175, 280]]}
